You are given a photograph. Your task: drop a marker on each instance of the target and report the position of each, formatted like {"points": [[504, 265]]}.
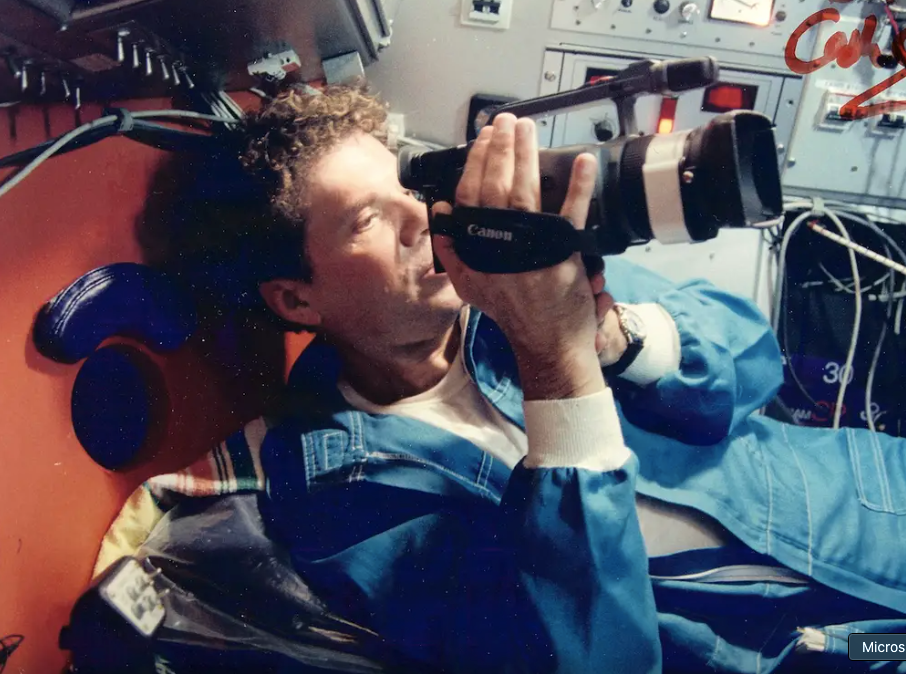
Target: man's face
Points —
{"points": [[368, 243]]}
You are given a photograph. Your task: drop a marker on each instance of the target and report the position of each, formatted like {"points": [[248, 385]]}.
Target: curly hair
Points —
{"points": [[284, 139]]}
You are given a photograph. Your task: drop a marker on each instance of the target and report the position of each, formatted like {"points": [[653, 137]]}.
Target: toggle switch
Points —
{"points": [[892, 120], [687, 12], [487, 13]]}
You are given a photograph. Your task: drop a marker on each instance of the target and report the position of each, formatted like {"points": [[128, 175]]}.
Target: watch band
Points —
{"points": [[632, 330]]}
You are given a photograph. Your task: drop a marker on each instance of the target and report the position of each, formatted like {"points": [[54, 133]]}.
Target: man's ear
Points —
{"points": [[289, 300]]}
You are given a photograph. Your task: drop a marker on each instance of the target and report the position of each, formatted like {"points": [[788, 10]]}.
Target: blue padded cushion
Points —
{"points": [[124, 299], [112, 405]]}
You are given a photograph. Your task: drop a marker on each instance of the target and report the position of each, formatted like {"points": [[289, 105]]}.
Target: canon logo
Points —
{"points": [[475, 230]]}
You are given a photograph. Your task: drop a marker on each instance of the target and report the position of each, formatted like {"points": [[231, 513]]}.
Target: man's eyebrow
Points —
{"points": [[356, 207]]}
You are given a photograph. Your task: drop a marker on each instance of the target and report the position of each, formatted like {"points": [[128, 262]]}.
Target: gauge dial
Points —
{"points": [[754, 12]]}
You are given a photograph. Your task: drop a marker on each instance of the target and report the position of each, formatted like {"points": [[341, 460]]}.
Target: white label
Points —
{"points": [[131, 592]]}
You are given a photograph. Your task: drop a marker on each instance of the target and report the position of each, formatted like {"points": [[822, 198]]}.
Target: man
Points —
{"points": [[455, 470]]}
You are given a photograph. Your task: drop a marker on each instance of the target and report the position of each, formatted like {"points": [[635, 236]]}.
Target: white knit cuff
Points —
{"points": [[661, 354], [575, 433]]}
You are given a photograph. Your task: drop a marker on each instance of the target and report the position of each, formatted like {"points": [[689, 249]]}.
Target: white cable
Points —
{"points": [[843, 287], [102, 121], [217, 106], [857, 321], [758, 261], [862, 250], [781, 265], [781, 272], [232, 106], [864, 221], [870, 381]]}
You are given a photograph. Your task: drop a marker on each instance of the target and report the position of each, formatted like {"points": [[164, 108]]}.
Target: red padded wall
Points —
{"points": [[77, 212]]}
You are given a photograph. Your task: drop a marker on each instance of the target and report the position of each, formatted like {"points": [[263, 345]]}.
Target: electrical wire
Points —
{"points": [[890, 243], [779, 296], [842, 287], [890, 296], [862, 250], [870, 380], [816, 209], [63, 140]]}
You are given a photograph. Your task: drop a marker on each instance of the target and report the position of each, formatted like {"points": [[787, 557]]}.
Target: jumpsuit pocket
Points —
{"points": [[879, 467]]}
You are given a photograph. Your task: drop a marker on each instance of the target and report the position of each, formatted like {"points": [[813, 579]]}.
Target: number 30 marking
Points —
{"points": [[833, 373]]}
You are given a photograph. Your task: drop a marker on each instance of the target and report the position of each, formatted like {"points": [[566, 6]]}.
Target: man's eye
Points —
{"points": [[364, 223], [418, 196]]}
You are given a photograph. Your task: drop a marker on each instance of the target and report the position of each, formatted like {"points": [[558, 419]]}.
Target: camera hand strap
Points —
{"points": [[506, 241]]}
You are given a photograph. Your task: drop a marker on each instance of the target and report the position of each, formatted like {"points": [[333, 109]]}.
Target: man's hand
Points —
{"points": [[610, 342], [548, 315]]}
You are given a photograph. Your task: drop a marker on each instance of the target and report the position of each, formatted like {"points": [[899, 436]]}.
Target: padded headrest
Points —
{"points": [[118, 397], [114, 402], [124, 299]]}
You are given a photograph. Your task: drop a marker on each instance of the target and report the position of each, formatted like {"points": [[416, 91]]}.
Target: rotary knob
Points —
{"points": [[687, 11], [661, 6], [604, 130]]}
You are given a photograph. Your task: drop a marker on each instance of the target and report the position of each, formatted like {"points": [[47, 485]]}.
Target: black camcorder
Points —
{"points": [[678, 187]]}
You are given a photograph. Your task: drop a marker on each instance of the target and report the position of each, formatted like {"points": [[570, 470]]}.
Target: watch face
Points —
{"points": [[635, 327], [754, 12], [631, 324]]}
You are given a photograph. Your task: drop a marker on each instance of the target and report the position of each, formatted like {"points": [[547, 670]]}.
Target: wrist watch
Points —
{"points": [[634, 331]]}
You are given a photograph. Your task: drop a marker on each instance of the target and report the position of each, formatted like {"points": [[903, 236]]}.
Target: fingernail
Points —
{"points": [[505, 122]]}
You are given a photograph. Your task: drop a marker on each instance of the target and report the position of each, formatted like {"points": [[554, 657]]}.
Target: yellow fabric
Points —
{"points": [[131, 528]]}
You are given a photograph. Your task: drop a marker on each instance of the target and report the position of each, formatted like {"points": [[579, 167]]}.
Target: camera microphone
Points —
{"points": [[679, 187]]}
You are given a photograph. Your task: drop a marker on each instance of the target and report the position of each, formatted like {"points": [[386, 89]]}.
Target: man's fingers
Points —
{"points": [[443, 245], [597, 283], [526, 194], [581, 188], [468, 192], [499, 164], [443, 248], [441, 207], [603, 304]]}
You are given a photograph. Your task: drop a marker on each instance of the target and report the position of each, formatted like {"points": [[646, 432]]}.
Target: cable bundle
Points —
{"points": [[882, 289]]}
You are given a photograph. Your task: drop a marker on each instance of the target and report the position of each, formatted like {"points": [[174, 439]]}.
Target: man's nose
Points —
{"points": [[414, 226]]}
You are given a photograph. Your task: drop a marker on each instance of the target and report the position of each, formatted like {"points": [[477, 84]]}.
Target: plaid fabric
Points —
{"points": [[233, 466]]}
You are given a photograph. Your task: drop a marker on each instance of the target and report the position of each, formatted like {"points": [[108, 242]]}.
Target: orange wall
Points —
{"points": [[75, 213]]}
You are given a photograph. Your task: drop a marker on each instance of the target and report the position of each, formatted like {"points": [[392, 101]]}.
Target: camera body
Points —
{"points": [[678, 187]]}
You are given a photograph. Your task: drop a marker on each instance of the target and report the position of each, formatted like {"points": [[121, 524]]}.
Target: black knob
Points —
{"points": [[604, 130], [626, 3], [661, 6]]}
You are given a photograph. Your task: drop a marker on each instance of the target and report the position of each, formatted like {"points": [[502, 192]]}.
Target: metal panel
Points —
{"points": [[578, 127], [735, 259], [216, 40], [551, 73], [857, 161], [728, 41]]}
